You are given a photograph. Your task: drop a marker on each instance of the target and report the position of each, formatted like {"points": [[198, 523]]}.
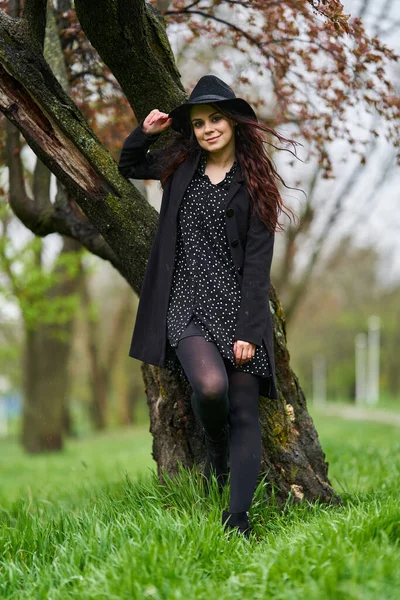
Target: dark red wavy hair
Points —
{"points": [[258, 168]]}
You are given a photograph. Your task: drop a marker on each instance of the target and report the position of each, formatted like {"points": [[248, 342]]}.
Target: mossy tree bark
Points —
{"points": [[131, 39]]}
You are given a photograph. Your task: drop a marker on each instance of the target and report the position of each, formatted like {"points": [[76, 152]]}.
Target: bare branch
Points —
{"points": [[242, 32], [39, 215], [41, 187], [282, 282], [343, 193], [18, 193], [121, 319]]}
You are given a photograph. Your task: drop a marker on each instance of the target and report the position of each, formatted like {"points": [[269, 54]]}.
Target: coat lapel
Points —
{"points": [[183, 177], [237, 183]]}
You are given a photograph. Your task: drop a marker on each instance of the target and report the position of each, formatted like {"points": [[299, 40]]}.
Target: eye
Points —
{"points": [[198, 124]]}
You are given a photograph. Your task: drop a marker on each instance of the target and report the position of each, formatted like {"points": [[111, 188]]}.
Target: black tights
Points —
{"points": [[220, 395]]}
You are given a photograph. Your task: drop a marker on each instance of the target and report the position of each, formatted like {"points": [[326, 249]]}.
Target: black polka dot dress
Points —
{"points": [[205, 292]]}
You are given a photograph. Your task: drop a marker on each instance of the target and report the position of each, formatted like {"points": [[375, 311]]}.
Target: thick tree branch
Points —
{"points": [[132, 41], [35, 16], [59, 135], [39, 214], [78, 227]]}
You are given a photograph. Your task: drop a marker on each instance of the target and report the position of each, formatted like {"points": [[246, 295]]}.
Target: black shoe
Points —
{"points": [[237, 522], [217, 458]]}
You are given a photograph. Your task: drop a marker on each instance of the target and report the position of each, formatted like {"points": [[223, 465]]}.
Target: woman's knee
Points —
{"points": [[213, 388], [244, 418]]}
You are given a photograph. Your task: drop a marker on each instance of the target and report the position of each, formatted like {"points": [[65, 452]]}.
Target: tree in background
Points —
{"points": [[121, 225], [344, 294], [107, 322], [47, 300]]}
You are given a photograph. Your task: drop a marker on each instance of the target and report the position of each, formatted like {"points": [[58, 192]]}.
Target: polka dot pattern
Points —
{"points": [[205, 287]]}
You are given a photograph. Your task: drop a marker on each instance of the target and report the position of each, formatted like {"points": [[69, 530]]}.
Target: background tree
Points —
{"points": [[121, 224], [106, 327], [47, 300], [344, 294]]}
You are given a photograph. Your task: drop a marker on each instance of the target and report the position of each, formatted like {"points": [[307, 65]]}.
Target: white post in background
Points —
{"points": [[361, 367], [374, 326], [319, 380]]}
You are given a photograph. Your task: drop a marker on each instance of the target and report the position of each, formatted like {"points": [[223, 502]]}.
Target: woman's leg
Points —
{"points": [[245, 438], [206, 372]]}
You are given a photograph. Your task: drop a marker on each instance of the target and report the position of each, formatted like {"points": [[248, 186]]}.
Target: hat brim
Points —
{"points": [[180, 114]]}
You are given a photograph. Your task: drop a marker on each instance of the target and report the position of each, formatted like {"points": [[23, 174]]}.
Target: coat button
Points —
{"points": [[234, 243], [229, 212]]}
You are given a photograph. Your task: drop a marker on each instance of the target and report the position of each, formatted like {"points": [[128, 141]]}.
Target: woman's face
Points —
{"points": [[212, 130]]}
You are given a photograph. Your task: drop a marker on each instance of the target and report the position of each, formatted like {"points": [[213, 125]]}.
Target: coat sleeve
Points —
{"points": [[254, 306], [135, 161]]}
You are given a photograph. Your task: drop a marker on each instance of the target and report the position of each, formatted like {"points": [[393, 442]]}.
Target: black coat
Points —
{"points": [[251, 245]]}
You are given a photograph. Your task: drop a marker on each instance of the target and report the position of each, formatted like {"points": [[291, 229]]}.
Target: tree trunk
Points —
{"points": [[98, 375], [46, 377], [43, 415], [129, 399]]}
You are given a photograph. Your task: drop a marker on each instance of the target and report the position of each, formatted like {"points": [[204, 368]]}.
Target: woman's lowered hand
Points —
{"points": [[243, 351], [156, 122]]}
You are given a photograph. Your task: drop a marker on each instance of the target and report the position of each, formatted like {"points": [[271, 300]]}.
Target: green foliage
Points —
{"points": [[41, 293], [10, 357], [38, 310], [140, 539], [9, 353]]}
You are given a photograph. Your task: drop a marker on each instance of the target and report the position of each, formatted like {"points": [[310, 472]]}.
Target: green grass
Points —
{"points": [[94, 523], [83, 466], [386, 403]]}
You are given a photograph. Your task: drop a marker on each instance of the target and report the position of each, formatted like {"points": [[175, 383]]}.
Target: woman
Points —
{"points": [[204, 307]]}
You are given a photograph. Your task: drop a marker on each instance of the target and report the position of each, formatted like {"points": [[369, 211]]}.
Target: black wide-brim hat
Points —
{"points": [[209, 89]]}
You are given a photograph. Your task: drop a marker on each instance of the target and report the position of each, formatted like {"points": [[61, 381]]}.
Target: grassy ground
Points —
{"points": [[94, 523]]}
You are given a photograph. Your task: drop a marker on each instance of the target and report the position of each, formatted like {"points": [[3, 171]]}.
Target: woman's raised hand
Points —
{"points": [[156, 122]]}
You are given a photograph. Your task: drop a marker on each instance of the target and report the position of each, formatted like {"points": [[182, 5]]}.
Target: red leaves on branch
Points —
{"points": [[317, 60], [311, 61]]}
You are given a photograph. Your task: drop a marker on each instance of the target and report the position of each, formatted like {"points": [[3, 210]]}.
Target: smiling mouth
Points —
{"points": [[213, 138]]}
